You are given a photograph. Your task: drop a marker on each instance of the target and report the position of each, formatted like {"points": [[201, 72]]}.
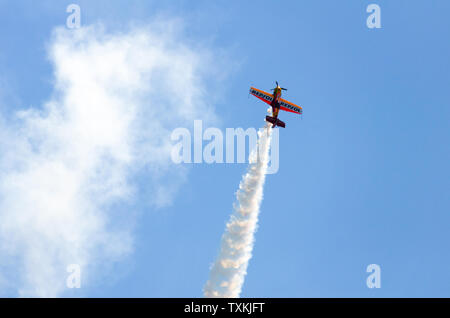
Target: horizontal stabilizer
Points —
{"points": [[275, 122]]}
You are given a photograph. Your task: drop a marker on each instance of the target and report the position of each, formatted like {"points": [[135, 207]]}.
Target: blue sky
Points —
{"points": [[363, 177]]}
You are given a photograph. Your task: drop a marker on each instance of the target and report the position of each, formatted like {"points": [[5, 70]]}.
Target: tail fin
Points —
{"points": [[275, 122]]}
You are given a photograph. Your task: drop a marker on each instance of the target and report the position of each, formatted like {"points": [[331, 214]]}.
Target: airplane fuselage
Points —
{"points": [[276, 101], [276, 97]]}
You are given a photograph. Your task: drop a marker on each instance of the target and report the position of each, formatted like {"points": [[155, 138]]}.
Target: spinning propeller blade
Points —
{"points": [[276, 82]]}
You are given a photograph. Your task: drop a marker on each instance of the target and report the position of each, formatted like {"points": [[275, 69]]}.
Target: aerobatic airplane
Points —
{"points": [[277, 103]]}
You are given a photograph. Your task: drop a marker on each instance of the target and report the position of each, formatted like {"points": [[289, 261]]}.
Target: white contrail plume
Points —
{"points": [[228, 272]]}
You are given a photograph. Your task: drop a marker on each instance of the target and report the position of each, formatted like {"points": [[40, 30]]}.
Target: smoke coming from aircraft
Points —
{"points": [[228, 272]]}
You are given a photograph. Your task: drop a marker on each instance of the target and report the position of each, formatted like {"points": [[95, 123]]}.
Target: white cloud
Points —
{"points": [[116, 99]]}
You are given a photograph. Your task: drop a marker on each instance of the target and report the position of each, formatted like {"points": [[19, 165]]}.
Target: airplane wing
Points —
{"points": [[290, 107], [267, 98], [262, 95]]}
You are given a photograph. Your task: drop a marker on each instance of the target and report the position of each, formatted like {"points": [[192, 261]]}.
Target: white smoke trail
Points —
{"points": [[228, 272]]}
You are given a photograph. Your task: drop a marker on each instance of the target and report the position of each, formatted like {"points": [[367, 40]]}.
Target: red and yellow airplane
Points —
{"points": [[277, 103]]}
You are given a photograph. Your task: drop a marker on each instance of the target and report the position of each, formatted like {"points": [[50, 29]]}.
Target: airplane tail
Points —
{"points": [[275, 122]]}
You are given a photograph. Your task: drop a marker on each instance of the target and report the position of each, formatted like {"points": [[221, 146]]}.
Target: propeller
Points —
{"points": [[284, 89]]}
